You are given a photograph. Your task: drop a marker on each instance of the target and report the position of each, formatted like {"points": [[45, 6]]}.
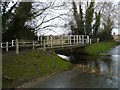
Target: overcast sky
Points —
{"points": [[57, 31], [62, 30], [117, 30]]}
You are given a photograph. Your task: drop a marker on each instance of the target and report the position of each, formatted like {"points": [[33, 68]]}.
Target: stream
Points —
{"points": [[102, 72]]}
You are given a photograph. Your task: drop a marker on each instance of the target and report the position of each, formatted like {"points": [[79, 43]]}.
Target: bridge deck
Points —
{"points": [[47, 42]]}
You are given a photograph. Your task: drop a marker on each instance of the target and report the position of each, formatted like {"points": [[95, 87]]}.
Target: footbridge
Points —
{"points": [[63, 41], [48, 42]]}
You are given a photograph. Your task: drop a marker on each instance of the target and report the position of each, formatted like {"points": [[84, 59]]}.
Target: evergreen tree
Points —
{"points": [[78, 17], [18, 27], [75, 14], [7, 15], [89, 18], [81, 22], [97, 24], [106, 33]]}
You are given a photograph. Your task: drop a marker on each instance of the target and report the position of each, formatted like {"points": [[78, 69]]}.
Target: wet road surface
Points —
{"points": [[75, 79], [79, 79]]}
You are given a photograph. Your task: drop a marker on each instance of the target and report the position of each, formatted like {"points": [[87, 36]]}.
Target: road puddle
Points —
{"points": [[104, 65]]}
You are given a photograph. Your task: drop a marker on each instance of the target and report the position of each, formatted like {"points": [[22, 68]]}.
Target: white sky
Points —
{"points": [[61, 30]]}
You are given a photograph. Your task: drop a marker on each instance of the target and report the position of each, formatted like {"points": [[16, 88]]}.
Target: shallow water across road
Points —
{"points": [[100, 73]]}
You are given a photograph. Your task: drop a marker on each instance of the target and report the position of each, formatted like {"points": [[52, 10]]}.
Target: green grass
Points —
{"points": [[100, 47], [30, 65]]}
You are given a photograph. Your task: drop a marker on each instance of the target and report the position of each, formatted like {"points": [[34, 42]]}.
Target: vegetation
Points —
{"points": [[78, 28], [89, 18], [94, 19], [23, 20], [20, 19], [6, 14], [83, 22], [17, 27], [96, 26], [26, 66], [106, 33], [100, 47]]}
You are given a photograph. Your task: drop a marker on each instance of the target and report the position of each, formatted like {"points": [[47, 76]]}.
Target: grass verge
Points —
{"points": [[100, 47], [27, 66]]}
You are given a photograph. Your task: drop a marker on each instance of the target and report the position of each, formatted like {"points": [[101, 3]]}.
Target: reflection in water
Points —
{"points": [[104, 65], [101, 67]]}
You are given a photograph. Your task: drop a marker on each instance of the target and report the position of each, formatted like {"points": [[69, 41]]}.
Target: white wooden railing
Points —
{"points": [[45, 42]]}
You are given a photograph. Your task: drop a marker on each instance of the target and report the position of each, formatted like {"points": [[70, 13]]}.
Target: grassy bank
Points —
{"points": [[100, 47], [27, 66]]}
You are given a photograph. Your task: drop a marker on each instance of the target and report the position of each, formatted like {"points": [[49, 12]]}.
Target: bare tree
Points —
{"points": [[119, 15], [108, 10], [49, 15]]}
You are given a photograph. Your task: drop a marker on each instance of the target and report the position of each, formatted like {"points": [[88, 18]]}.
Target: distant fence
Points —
{"points": [[94, 40], [45, 42]]}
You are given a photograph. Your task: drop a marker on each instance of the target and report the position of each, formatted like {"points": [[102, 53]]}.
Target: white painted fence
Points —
{"points": [[45, 42]]}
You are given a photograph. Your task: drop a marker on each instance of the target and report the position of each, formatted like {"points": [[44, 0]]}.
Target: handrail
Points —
{"points": [[48, 42]]}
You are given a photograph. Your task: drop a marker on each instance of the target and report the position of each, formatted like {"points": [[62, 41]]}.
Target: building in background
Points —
{"points": [[116, 37]]}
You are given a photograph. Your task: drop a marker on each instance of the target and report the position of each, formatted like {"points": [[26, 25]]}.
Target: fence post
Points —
{"points": [[77, 39], [74, 39], [1, 45], [90, 40], [87, 39], [47, 40], [12, 42], [6, 46], [82, 39], [51, 41], [38, 38], [44, 44], [62, 40], [33, 45], [97, 40], [17, 46], [70, 39], [41, 40]]}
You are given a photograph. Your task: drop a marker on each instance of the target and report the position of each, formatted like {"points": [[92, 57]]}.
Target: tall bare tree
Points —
{"points": [[108, 19], [49, 15]]}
